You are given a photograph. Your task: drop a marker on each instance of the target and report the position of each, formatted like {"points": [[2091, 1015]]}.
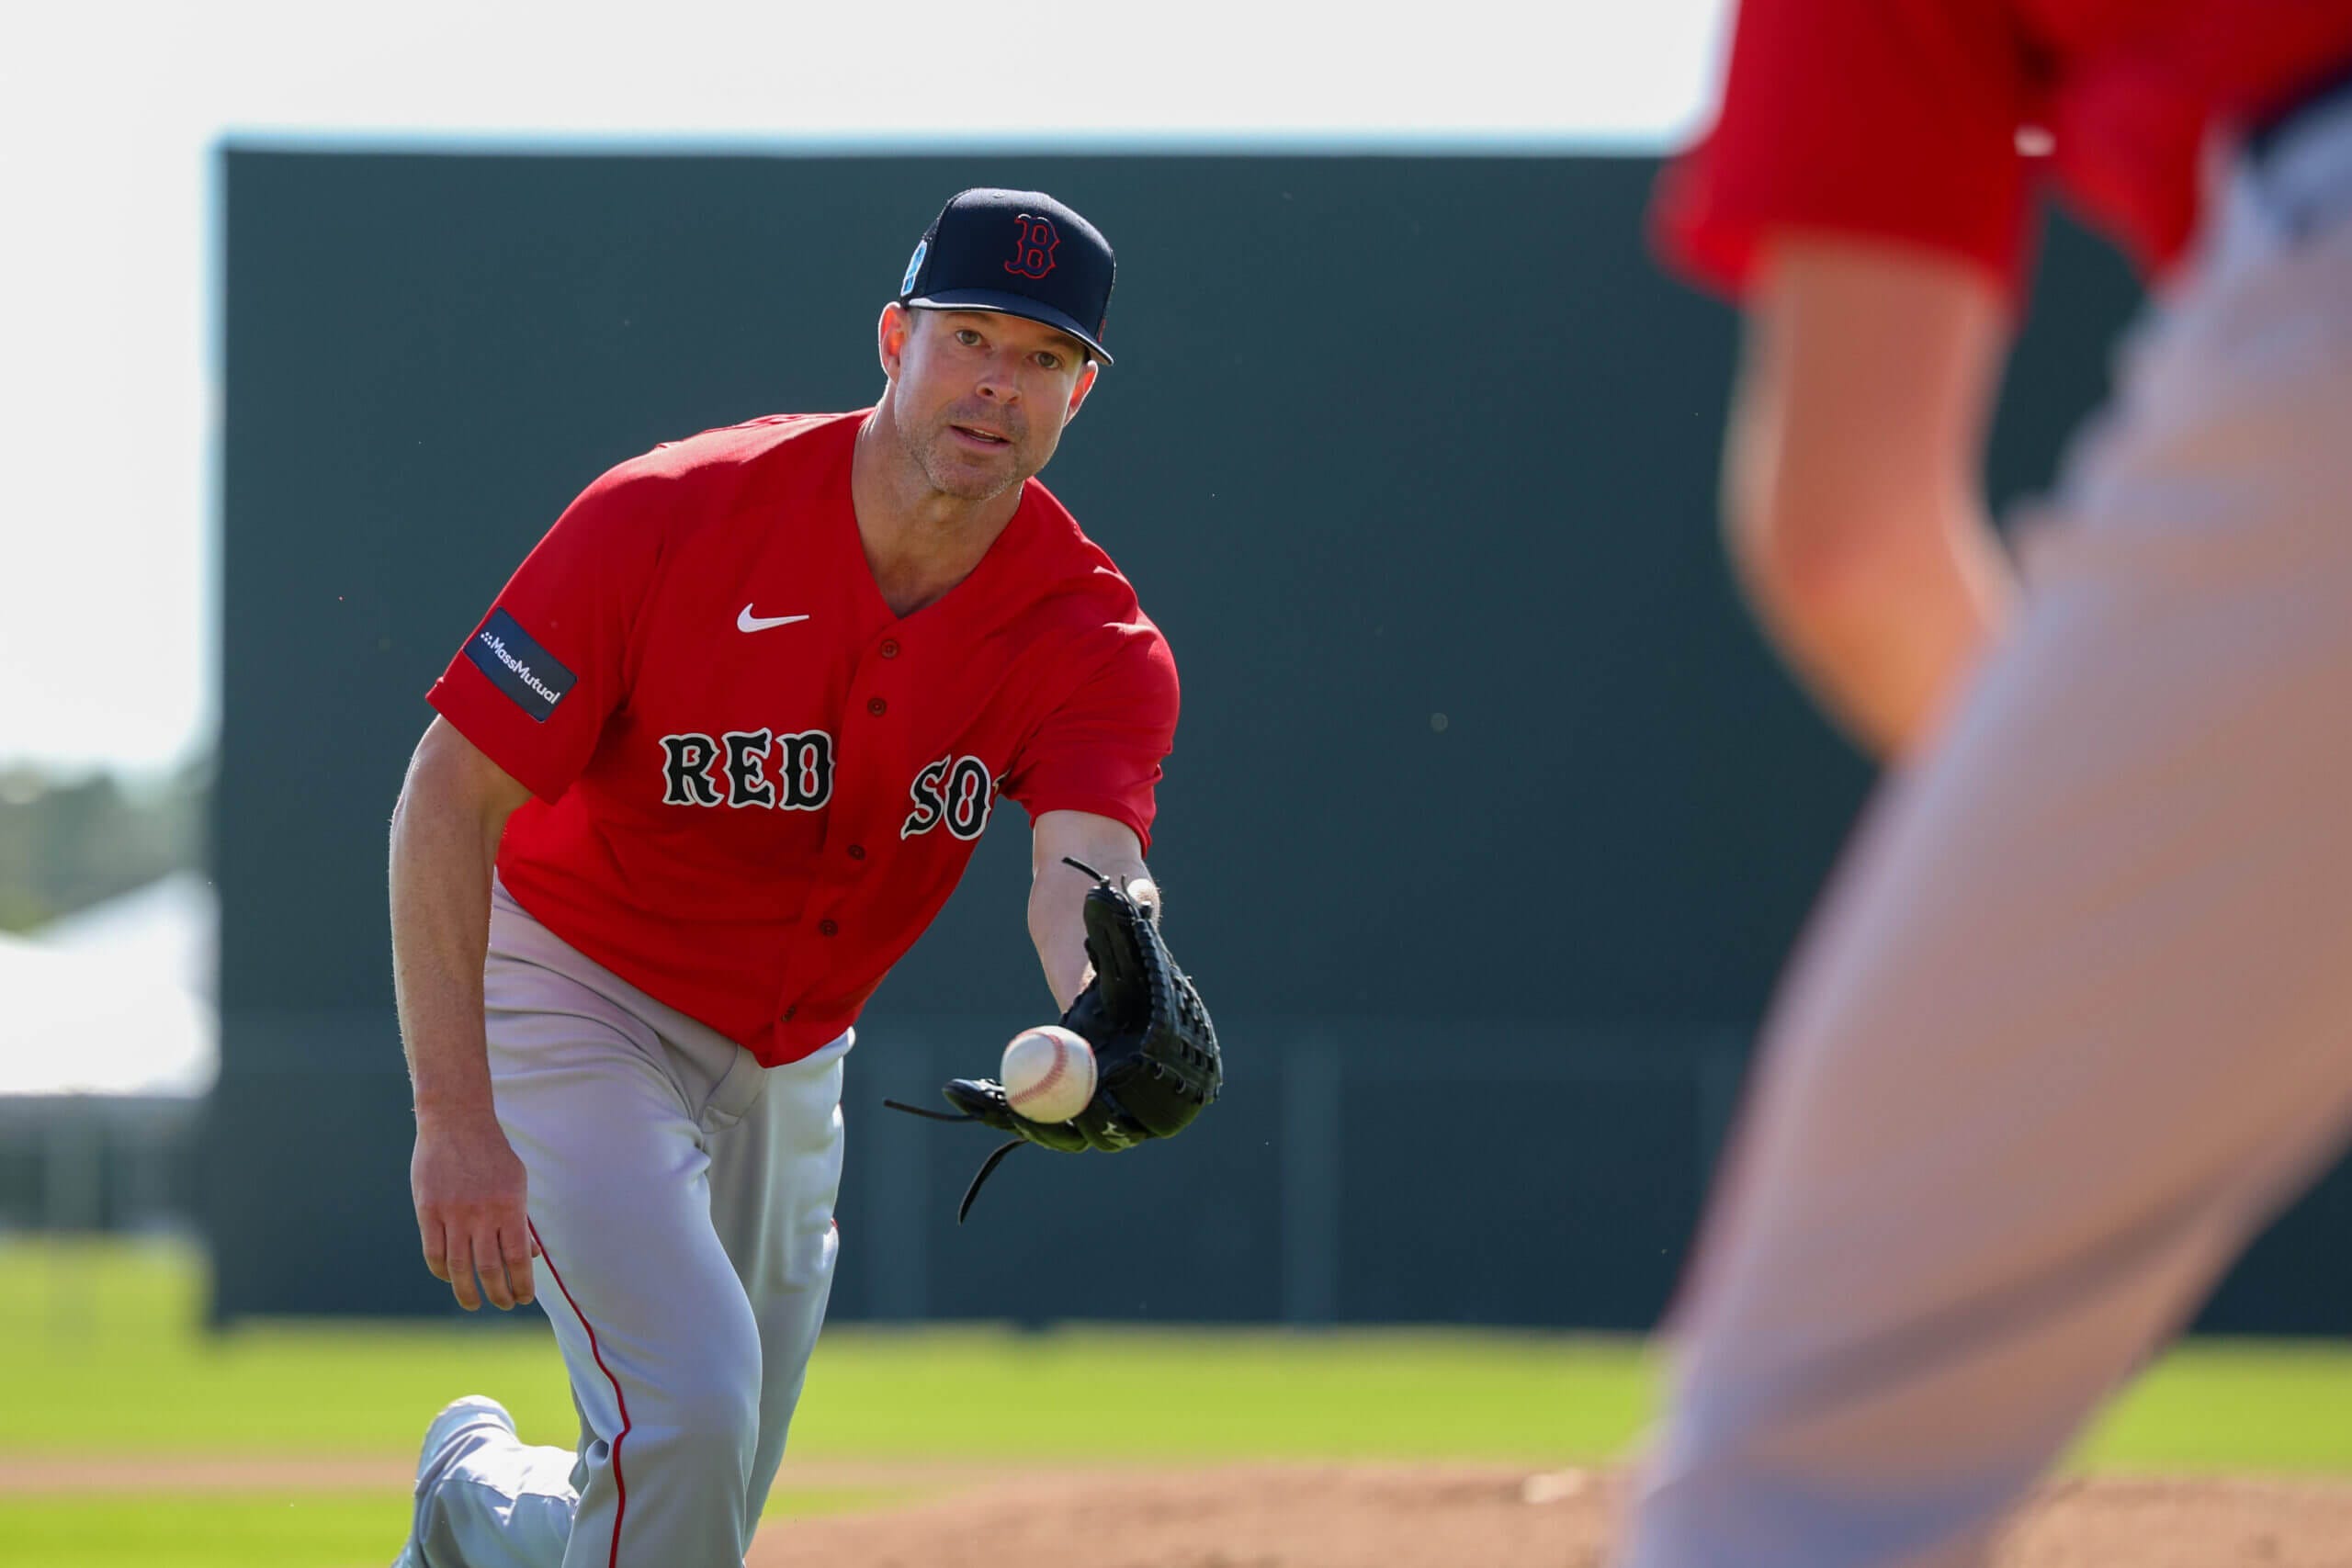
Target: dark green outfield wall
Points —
{"points": [[1489, 820]]}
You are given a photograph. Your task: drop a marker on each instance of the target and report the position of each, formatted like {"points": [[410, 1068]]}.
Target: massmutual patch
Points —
{"points": [[518, 666]]}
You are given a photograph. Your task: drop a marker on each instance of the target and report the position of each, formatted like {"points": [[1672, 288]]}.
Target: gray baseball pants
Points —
{"points": [[2075, 1019], [683, 1196]]}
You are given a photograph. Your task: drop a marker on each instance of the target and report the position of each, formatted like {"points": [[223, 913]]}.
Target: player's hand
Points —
{"points": [[472, 1216]]}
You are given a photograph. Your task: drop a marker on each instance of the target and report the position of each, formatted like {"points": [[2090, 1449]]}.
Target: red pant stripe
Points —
{"points": [[620, 1484]]}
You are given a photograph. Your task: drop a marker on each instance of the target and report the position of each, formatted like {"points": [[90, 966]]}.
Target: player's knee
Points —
{"points": [[704, 1427]]}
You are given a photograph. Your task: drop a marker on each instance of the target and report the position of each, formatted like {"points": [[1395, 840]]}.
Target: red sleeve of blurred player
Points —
{"points": [[1893, 119]]}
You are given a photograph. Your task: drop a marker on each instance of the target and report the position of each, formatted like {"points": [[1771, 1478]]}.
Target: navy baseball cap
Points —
{"points": [[1020, 251]]}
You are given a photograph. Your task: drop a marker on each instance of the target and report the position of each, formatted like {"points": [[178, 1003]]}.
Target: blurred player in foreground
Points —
{"points": [[712, 762], [2076, 1017]]}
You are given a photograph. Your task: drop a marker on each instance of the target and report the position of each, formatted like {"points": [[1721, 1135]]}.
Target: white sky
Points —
{"points": [[109, 115]]}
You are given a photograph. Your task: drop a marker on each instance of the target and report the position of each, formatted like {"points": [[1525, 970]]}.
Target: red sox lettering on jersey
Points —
{"points": [[956, 791], [794, 772], [755, 785], [756, 767]]}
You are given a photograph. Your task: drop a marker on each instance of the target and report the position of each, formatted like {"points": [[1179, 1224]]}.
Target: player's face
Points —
{"points": [[978, 399]]}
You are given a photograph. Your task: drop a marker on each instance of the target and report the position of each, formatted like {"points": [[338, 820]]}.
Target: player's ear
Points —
{"points": [[1085, 385], [891, 334]]}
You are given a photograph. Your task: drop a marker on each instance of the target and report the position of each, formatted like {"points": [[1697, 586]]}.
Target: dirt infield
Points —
{"points": [[1000, 1516], [1360, 1516]]}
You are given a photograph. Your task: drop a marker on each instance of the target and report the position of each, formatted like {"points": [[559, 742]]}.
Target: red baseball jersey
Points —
{"points": [[755, 785], [1921, 121]]}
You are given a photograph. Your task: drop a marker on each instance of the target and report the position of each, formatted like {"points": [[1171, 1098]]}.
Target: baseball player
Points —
{"points": [[2076, 1017], [710, 764]]}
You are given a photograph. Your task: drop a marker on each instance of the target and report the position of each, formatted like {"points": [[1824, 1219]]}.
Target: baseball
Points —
{"points": [[1048, 1073]]}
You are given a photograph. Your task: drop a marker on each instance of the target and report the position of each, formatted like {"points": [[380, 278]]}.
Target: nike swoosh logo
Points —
{"points": [[748, 622]]}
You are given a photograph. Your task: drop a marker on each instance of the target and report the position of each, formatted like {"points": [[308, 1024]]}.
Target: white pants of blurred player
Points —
{"points": [[685, 1198], [2076, 1017]]}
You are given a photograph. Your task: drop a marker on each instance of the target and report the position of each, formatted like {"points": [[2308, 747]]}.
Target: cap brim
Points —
{"points": [[1009, 304]]}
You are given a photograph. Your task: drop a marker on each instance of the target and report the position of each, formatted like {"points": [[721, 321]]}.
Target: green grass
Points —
{"points": [[101, 1356], [319, 1530], [103, 1353], [99, 1353], [1205, 1396], [2237, 1406]]}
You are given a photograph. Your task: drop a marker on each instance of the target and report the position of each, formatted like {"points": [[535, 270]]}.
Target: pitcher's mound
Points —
{"points": [[1374, 1517]]}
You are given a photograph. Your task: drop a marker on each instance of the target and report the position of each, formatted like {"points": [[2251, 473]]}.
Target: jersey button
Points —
{"points": [[857, 851], [790, 1010], [826, 928], [890, 648], [876, 706]]}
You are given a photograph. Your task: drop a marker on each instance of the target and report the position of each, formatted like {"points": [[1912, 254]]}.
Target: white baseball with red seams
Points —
{"points": [[1048, 1073]]}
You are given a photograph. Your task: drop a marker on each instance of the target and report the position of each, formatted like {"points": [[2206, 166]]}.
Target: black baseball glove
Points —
{"points": [[1156, 1059]]}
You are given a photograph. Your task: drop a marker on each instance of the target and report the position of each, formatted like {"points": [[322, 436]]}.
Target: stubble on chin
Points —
{"points": [[963, 480]]}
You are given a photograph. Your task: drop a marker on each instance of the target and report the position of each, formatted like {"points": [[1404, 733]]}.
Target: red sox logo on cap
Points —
{"points": [[1020, 251], [1033, 255]]}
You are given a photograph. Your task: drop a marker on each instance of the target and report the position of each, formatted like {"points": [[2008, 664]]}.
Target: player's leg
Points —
{"points": [[2078, 1017], [471, 1456], [660, 1342], [774, 1177]]}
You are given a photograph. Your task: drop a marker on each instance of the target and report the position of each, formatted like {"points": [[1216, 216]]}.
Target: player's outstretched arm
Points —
{"points": [[1852, 480], [1057, 889], [469, 1187]]}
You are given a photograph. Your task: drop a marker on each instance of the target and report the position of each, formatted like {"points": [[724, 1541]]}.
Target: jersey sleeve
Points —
{"points": [[1891, 119], [533, 684], [1101, 749]]}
